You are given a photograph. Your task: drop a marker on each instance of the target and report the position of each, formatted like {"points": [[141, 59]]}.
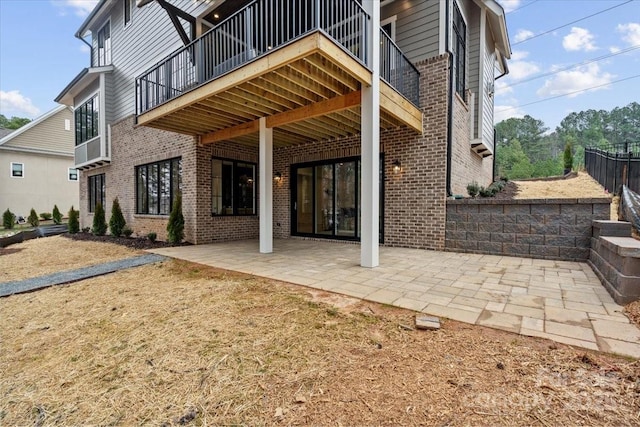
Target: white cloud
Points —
{"points": [[580, 79], [502, 87], [16, 104], [80, 7], [504, 112], [84, 48], [522, 35], [630, 33], [509, 5], [579, 39], [614, 49], [520, 69]]}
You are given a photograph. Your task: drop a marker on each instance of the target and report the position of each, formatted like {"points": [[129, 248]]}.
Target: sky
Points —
{"points": [[556, 56]]}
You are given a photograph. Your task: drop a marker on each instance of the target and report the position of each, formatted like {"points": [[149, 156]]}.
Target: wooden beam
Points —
{"points": [[400, 108], [314, 110], [232, 132]]}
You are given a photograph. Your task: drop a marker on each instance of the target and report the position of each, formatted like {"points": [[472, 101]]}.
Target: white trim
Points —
{"points": [[102, 116], [33, 123], [390, 20], [482, 85], [386, 2], [97, 48], [442, 42], [36, 151], [69, 175], [21, 170], [131, 8]]}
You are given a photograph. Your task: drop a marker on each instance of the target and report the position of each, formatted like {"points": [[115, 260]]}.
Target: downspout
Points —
{"points": [[90, 49], [450, 102], [495, 136]]}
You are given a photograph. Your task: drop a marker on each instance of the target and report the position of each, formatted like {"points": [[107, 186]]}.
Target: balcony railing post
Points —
{"points": [[200, 65], [317, 8]]}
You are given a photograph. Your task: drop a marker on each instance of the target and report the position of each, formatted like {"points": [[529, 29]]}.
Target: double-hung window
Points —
{"points": [[104, 45], [17, 170], [459, 50], [157, 185], [72, 174], [96, 191], [87, 120], [233, 187], [127, 11]]}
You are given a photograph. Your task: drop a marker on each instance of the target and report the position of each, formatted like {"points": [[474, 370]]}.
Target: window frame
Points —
{"points": [[93, 182], [235, 195], [142, 200], [127, 7], [459, 42], [11, 174], [95, 131], [69, 174], [103, 59], [391, 21]]}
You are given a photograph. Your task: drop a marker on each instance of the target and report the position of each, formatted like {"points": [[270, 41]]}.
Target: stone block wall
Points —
{"points": [[537, 228]]}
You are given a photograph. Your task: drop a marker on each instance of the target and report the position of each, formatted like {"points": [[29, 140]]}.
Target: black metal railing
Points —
{"points": [[614, 165], [260, 28]]}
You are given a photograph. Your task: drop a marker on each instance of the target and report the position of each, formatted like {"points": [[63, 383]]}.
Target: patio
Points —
{"points": [[558, 300]]}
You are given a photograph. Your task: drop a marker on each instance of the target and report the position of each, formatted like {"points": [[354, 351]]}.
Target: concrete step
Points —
{"points": [[611, 228]]}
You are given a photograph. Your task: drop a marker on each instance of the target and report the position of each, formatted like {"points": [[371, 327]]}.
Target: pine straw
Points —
{"points": [[181, 344], [48, 255], [582, 186]]}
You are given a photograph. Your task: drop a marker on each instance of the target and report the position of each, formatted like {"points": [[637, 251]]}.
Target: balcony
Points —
{"points": [[299, 63]]}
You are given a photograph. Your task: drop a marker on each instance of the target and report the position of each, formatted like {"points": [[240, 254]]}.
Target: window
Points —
{"points": [[459, 51], [157, 185], [104, 45], [87, 120], [127, 11], [389, 26], [73, 174], [233, 187], [96, 191], [17, 170]]}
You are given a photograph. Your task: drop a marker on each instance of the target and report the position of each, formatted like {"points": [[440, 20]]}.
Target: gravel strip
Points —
{"points": [[63, 277]]}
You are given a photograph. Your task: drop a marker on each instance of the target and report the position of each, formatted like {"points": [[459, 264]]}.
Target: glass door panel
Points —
{"points": [[346, 212], [324, 217], [303, 205]]}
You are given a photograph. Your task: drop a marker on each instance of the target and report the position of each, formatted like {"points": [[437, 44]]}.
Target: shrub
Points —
{"points": [[8, 219], [33, 218], [473, 189], [127, 232], [567, 159], [86, 229], [152, 236], [175, 227], [74, 223], [99, 223], [486, 192], [117, 221], [57, 216], [46, 216]]}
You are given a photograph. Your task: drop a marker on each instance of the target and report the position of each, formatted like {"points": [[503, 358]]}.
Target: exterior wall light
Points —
{"points": [[277, 177], [397, 166]]}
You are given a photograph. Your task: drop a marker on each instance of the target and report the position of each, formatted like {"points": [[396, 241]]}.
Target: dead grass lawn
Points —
{"points": [[182, 344]]}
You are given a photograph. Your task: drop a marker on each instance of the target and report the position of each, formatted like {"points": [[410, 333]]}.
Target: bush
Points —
{"points": [[57, 216], [486, 192], [127, 232], [567, 159], [8, 219], [99, 223], [473, 189], [74, 223], [175, 227], [117, 221], [152, 236], [86, 229], [33, 218], [46, 216]]}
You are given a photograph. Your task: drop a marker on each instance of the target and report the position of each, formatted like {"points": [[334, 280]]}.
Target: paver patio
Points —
{"points": [[559, 300]]}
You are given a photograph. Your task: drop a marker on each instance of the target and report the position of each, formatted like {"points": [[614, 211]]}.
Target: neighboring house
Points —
{"points": [[37, 169], [341, 120]]}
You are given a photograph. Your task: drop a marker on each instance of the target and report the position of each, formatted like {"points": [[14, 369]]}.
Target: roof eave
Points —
{"points": [[499, 23]]}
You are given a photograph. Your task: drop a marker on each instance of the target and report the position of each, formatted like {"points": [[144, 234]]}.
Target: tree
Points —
{"points": [[175, 226], [57, 216], [117, 221], [8, 219], [74, 224], [34, 218], [99, 224], [13, 122], [567, 159]]}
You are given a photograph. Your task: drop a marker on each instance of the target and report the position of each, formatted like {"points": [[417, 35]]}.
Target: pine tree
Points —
{"points": [[74, 224], [175, 227], [33, 219], [57, 216], [117, 221], [99, 223], [568, 159], [8, 219]]}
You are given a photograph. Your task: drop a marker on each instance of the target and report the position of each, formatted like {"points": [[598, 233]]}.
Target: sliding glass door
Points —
{"points": [[325, 199]]}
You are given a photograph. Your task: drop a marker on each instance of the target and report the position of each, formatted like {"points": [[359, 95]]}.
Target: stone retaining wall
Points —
{"points": [[536, 228]]}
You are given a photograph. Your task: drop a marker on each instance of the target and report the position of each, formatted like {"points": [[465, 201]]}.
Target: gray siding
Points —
{"points": [[86, 93], [148, 38], [109, 97], [473, 59], [417, 27], [489, 75]]}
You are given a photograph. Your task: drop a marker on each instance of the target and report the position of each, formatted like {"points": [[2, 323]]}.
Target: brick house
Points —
{"points": [[342, 119]]}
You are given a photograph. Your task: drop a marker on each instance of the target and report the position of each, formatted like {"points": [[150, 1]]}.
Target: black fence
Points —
{"points": [[615, 165]]}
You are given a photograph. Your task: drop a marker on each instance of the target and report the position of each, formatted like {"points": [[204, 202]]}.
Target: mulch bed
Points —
{"points": [[130, 242], [509, 192]]}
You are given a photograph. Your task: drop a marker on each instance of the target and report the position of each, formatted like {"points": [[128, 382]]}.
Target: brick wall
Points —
{"points": [[466, 165], [536, 228]]}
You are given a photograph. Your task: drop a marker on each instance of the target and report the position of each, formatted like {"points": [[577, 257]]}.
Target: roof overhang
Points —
{"points": [[85, 78], [98, 13], [498, 22]]}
